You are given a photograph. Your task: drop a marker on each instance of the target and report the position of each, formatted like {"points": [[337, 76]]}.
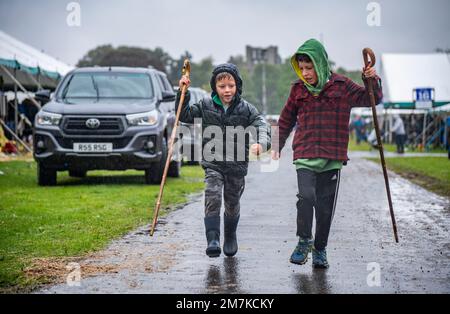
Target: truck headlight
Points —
{"points": [[48, 118], [145, 118]]}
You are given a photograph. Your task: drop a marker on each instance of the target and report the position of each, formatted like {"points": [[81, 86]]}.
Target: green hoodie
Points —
{"points": [[317, 53]]}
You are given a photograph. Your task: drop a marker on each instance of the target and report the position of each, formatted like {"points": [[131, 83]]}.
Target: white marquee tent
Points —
{"points": [[28, 64], [401, 73]]}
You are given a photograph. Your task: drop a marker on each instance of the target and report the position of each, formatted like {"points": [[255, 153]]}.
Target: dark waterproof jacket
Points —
{"points": [[230, 151], [239, 114]]}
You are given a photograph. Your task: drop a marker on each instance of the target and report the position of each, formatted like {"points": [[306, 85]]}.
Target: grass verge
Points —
{"points": [[76, 217], [432, 173], [365, 146]]}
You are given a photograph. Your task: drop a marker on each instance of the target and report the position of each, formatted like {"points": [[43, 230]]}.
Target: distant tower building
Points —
{"points": [[262, 56], [256, 55]]}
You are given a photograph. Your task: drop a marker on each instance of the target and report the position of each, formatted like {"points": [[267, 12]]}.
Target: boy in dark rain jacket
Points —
{"points": [[226, 171]]}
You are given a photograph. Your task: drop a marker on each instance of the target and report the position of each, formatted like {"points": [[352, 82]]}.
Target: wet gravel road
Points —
{"points": [[361, 243]]}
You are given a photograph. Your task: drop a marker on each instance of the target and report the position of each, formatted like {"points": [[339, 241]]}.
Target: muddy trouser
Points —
{"points": [[317, 193], [232, 186]]}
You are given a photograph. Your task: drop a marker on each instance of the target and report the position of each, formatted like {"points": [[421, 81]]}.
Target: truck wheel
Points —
{"points": [[45, 176], [193, 162], [77, 173], [174, 169], [154, 174], [175, 166]]}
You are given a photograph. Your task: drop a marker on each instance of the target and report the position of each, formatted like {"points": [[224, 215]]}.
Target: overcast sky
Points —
{"points": [[220, 28]]}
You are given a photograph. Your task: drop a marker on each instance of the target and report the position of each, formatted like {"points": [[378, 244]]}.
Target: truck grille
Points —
{"points": [[77, 126]]}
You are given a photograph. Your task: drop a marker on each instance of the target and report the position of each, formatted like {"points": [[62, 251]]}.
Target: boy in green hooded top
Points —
{"points": [[319, 103]]}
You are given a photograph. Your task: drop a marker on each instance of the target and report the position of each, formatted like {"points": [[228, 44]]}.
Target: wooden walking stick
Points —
{"points": [[368, 53], [186, 71]]}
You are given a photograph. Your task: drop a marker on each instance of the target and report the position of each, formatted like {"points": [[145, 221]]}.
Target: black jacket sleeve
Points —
{"points": [[188, 112], [262, 128]]}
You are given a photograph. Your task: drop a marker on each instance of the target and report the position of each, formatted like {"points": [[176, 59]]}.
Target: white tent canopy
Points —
{"points": [[401, 73], [12, 50]]}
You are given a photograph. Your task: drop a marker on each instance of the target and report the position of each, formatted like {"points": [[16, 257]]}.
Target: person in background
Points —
{"points": [[359, 126], [399, 132]]}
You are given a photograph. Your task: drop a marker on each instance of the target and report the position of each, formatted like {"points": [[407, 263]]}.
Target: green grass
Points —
{"points": [[432, 173], [364, 146], [76, 217]]}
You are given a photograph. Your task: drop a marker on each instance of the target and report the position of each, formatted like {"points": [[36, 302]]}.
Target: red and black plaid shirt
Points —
{"points": [[322, 122]]}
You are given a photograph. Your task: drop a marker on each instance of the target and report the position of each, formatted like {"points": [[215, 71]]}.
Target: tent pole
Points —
{"points": [[424, 130], [15, 136], [20, 86], [390, 128], [16, 106], [35, 81], [446, 125]]}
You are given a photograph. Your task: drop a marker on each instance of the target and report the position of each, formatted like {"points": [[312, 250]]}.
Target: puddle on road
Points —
{"points": [[419, 207]]}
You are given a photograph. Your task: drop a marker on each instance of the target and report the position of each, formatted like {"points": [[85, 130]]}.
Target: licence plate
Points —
{"points": [[92, 147]]}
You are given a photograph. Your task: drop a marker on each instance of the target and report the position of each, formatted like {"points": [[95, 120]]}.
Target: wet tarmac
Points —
{"points": [[363, 255]]}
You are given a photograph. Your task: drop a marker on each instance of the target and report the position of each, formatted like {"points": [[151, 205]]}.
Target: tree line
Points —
{"points": [[279, 77]]}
